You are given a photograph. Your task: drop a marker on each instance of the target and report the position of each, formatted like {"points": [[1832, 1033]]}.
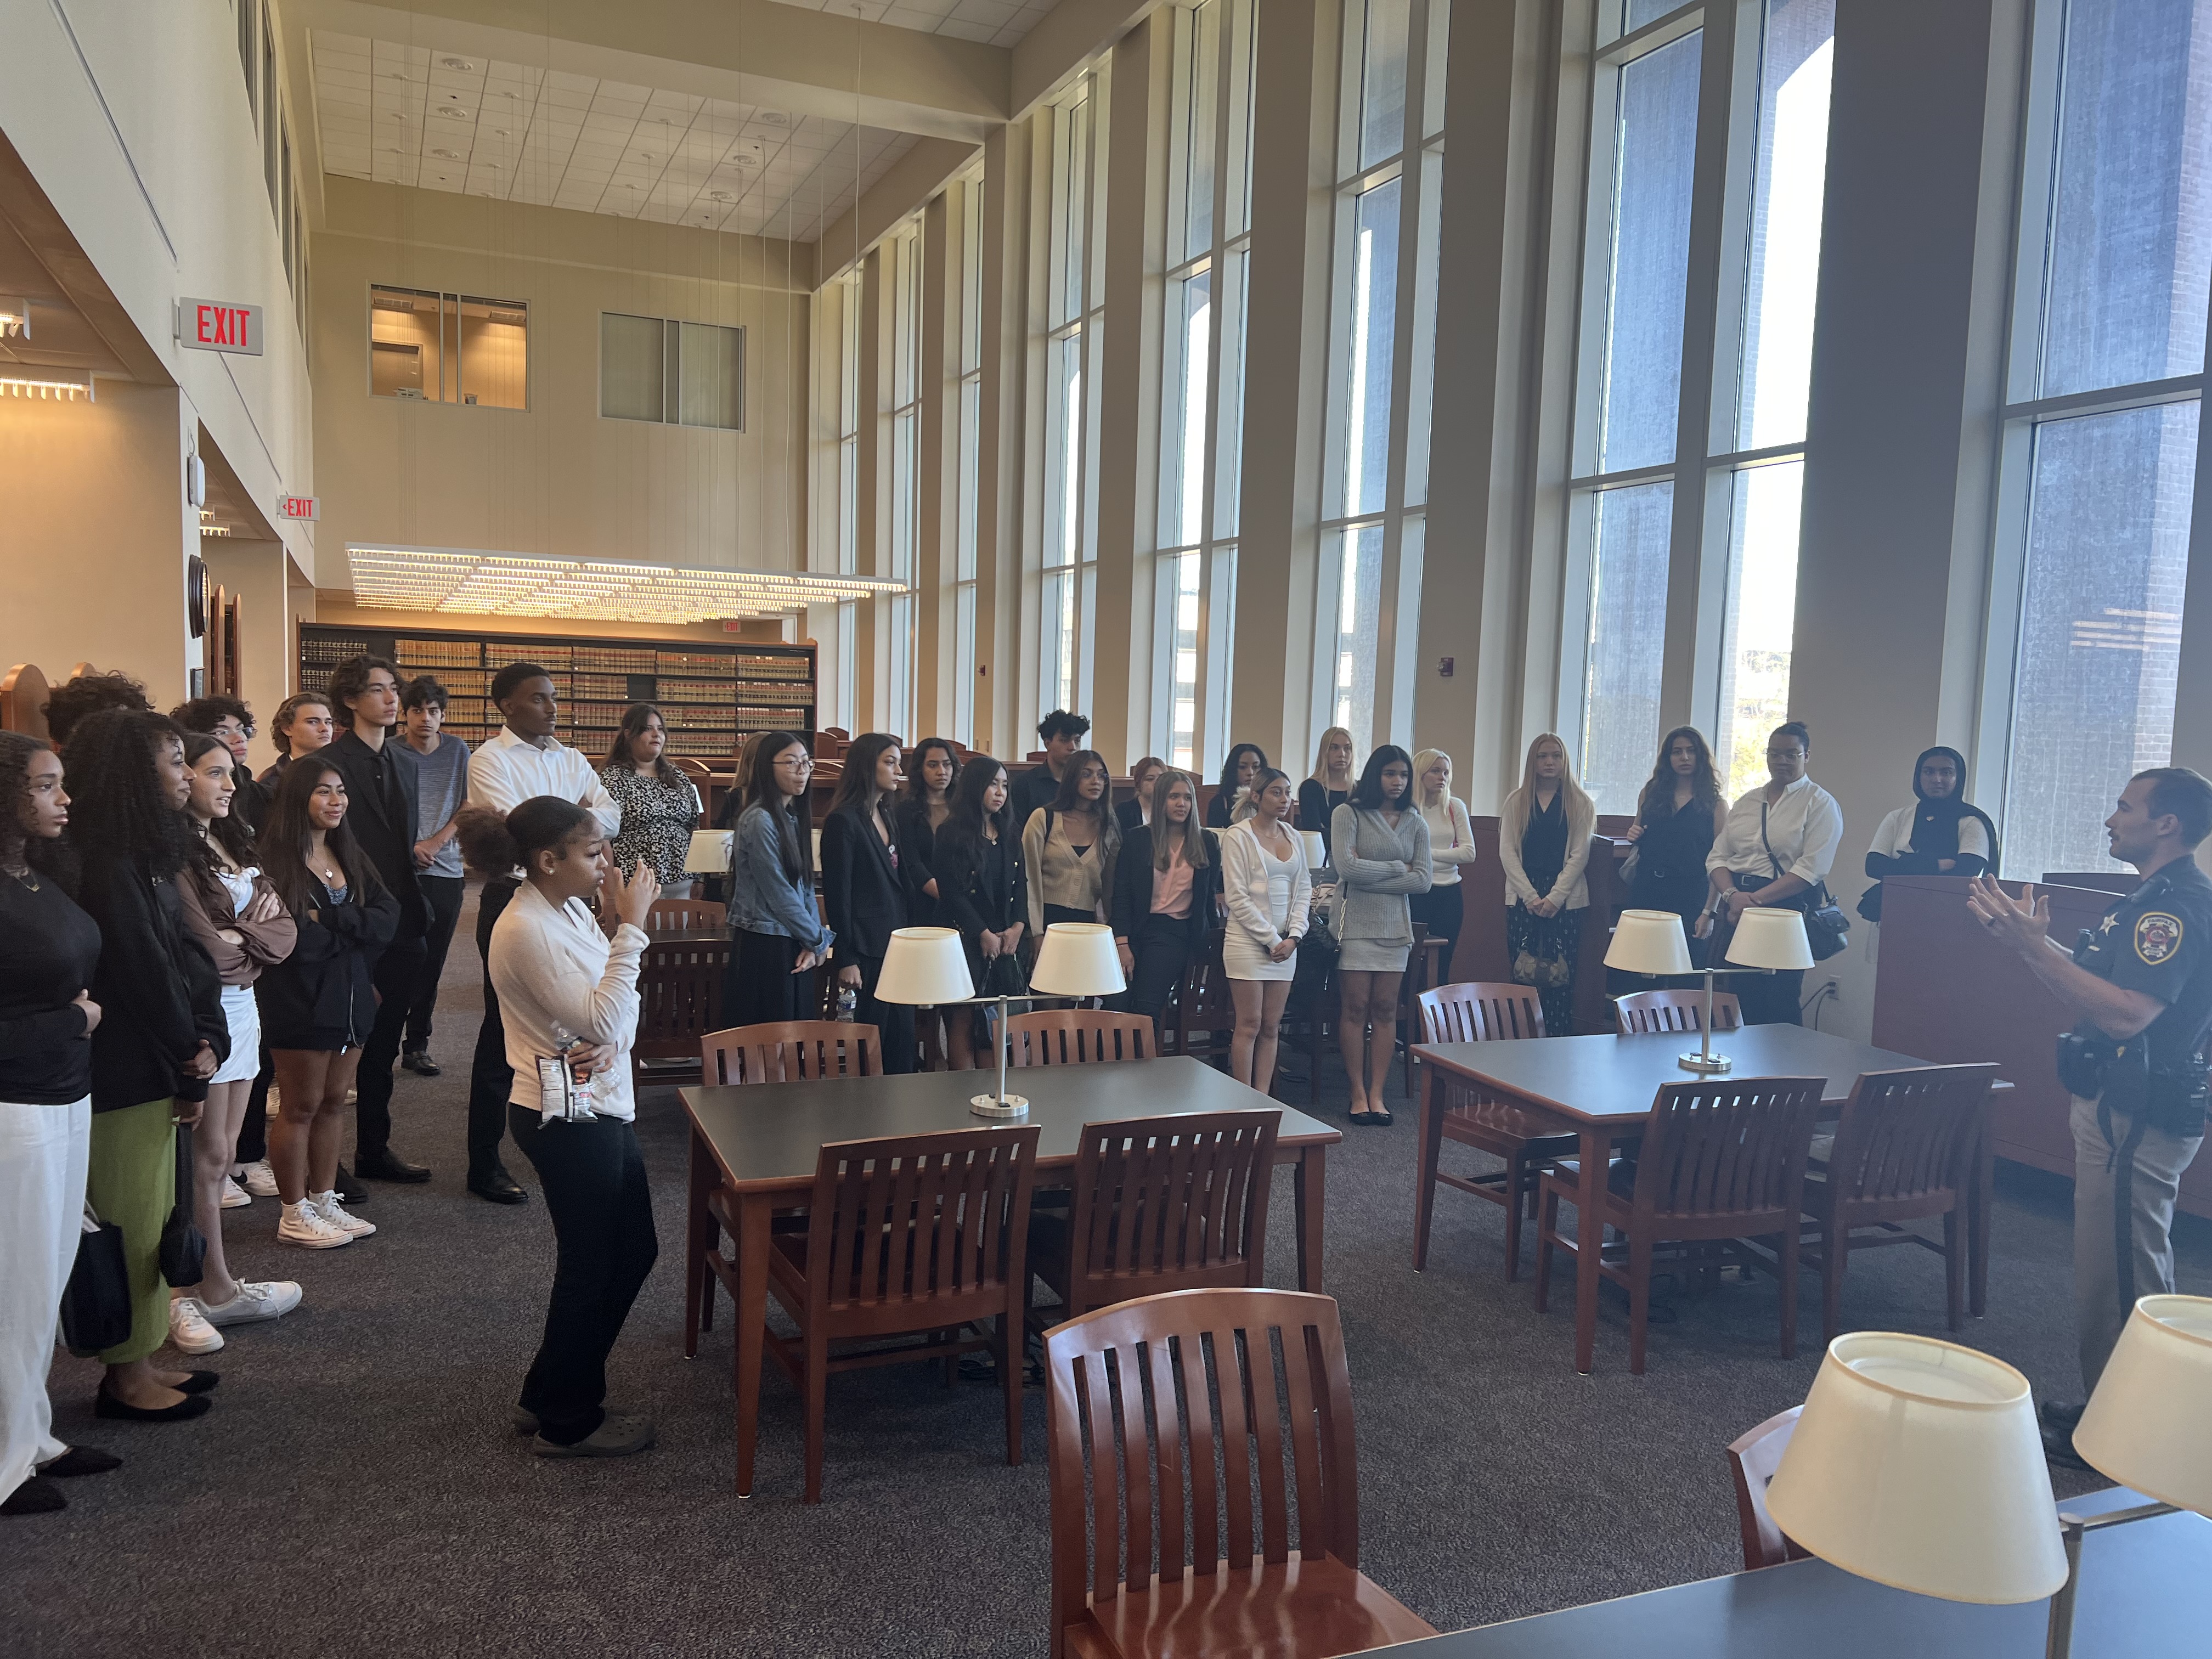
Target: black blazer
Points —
{"points": [[384, 820], [862, 888], [324, 990], [917, 845], [159, 993], [1132, 900], [1130, 816], [970, 902]]}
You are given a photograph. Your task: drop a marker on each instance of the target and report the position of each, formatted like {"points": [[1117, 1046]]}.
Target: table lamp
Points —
{"points": [[709, 853], [1316, 846], [1918, 1464], [2145, 1427]]}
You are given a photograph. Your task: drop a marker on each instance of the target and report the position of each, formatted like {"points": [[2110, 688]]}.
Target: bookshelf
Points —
{"points": [[712, 697]]}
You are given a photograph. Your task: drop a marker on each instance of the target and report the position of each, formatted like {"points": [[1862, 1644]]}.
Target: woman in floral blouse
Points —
{"points": [[660, 805]]}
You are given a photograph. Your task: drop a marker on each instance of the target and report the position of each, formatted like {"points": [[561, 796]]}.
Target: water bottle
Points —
{"points": [[848, 1003]]}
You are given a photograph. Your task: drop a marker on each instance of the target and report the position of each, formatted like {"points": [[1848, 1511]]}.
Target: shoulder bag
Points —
{"points": [[1826, 927], [96, 1302], [184, 1247]]}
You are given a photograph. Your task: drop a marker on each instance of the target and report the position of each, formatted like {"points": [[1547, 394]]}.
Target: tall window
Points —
{"points": [[677, 374], [1650, 488], [970, 194], [2101, 433], [1076, 313], [849, 407], [1375, 488], [1209, 225], [901, 268]]}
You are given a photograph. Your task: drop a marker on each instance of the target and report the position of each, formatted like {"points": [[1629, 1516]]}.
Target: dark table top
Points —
{"points": [[772, 1134], [1605, 1077], [2146, 1588]]}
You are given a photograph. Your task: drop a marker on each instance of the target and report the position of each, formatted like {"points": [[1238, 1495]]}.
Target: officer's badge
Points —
{"points": [[2158, 936]]}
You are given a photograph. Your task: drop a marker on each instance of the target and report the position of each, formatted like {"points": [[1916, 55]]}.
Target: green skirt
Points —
{"points": [[132, 1182]]}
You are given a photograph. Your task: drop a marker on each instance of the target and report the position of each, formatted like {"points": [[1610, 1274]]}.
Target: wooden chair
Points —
{"points": [[1204, 1011], [1174, 1203], [1905, 1150], [23, 695], [1485, 1012], [907, 1236], [1121, 1589], [1722, 1160], [1752, 1459], [679, 997], [1424, 966], [689, 916], [791, 1051], [1070, 1036], [1677, 1008]]}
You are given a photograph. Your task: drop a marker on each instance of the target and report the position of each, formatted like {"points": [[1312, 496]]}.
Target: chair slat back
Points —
{"points": [[1170, 1203], [1205, 1008], [1072, 1036], [791, 1051], [1752, 1459], [1480, 1011], [679, 999], [1734, 1146], [1910, 1132], [1134, 1392], [906, 1221], [692, 915], [1676, 1008]]}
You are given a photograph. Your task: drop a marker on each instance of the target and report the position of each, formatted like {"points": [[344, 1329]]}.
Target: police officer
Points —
{"points": [[2141, 982]]}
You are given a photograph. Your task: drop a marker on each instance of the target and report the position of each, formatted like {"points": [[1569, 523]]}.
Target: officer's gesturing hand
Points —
{"points": [[2023, 923]]}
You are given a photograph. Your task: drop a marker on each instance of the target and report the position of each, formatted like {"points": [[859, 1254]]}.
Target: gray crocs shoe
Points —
{"points": [[618, 1437]]}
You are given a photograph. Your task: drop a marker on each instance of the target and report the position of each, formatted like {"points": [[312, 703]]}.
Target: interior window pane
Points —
{"points": [[1629, 533], [1654, 116], [1760, 619], [2131, 196], [1360, 585], [1374, 332], [1182, 443], [495, 351], [964, 674], [1421, 396], [1228, 415], [629, 367], [1064, 454], [1637, 13], [2100, 627], [1783, 271], [1203, 93], [403, 343], [1056, 641], [1075, 170], [711, 391], [1182, 735], [848, 508], [971, 413], [1382, 82], [902, 493]]}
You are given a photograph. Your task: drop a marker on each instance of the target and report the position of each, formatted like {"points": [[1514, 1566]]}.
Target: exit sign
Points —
{"points": [[305, 508], [219, 325]]}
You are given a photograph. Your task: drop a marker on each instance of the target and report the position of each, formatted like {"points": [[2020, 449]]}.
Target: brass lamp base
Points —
{"points": [[999, 1105], [1705, 1062]]}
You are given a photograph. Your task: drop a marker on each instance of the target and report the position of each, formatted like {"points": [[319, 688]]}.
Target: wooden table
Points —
{"points": [[2145, 1589], [761, 1143], [1600, 1089]]}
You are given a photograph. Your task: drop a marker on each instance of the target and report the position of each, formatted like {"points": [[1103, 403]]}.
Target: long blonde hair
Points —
{"points": [[1194, 829], [1320, 774], [1422, 759], [1580, 809]]}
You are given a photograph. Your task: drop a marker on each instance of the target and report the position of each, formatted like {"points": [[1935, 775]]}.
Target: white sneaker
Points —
{"points": [[261, 1180], [234, 1195], [334, 1215], [266, 1299], [301, 1224], [189, 1330]]}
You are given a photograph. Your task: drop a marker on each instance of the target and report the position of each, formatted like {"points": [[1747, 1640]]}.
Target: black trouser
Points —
{"points": [[758, 988], [1771, 999], [1443, 911], [398, 973], [1161, 945], [894, 1021], [443, 894], [593, 1177], [253, 1131], [491, 1079]]}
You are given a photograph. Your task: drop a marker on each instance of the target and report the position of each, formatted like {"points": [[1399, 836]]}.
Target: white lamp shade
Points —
{"points": [[1918, 1464], [2147, 1425], [925, 966], [1648, 942], [1317, 850], [710, 854], [1078, 959], [1769, 936]]}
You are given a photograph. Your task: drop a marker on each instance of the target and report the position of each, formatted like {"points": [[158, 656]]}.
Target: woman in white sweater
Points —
{"points": [[1442, 909], [1267, 892], [568, 997]]}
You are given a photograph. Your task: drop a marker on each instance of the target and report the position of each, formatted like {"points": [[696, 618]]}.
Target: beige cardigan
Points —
{"points": [[1572, 890]]}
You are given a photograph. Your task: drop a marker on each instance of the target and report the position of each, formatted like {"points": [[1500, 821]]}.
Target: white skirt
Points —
{"points": [[243, 1014]]}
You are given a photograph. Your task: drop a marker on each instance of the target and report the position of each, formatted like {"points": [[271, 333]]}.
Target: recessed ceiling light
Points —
{"points": [[460, 63], [453, 112], [443, 179], [500, 132], [446, 154], [399, 115], [720, 195], [773, 117]]}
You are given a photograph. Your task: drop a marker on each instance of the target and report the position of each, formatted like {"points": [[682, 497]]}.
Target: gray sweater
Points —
{"points": [[1376, 867]]}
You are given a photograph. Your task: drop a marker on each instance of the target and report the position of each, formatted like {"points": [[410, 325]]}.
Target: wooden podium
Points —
{"points": [[1945, 991]]}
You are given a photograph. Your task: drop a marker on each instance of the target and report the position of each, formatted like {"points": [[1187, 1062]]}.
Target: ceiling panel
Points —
{"points": [[992, 23]]}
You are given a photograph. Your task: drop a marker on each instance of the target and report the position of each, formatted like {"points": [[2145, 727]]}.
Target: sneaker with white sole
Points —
{"points": [[334, 1214], [261, 1180], [189, 1329], [235, 1197], [303, 1224], [268, 1298]]}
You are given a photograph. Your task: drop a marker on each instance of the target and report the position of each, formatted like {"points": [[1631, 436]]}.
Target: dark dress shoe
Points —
{"points": [[386, 1165], [33, 1497], [498, 1188], [349, 1191], [2058, 1448], [80, 1460], [418, 1062], [104, 1404], [198, 1382]]}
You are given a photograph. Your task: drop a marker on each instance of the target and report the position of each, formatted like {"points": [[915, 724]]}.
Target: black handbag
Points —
{"points": [[184, 1247], [96, 1302], [1827, 929]]}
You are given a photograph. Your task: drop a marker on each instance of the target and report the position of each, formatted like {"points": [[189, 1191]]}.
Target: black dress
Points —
{"points": [[1670, 866], [1543, 949], [864, 893], [982, 887]]}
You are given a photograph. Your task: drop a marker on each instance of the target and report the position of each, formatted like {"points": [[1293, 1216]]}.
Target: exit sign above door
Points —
{"points": [[219, 325]]}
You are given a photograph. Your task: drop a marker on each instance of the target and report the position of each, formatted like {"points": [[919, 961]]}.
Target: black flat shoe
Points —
{"points": [[1381, 1118], [386, 1165], [104, 1404], [198, 1382], [499, 1187], [349, 1191], [80, 1460], [33, 1497], [1363, 1118]]}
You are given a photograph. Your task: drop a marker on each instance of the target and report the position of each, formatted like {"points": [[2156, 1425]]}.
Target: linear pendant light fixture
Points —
{"points": [[467, 581]]}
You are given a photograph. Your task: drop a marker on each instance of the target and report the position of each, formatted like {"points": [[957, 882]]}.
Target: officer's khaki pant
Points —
{"points": [[2123, 1225]]}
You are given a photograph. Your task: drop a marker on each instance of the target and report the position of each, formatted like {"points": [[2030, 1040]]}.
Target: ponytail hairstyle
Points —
{"points": [[228, 831], [496, 844], [286, 834]]}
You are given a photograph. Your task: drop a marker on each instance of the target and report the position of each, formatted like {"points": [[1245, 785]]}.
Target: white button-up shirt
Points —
{"points": [[506, 770], [558, 974], [1804, 828]]}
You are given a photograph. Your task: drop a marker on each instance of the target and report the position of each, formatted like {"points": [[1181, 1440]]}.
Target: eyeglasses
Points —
{"points": [[802, 763]]}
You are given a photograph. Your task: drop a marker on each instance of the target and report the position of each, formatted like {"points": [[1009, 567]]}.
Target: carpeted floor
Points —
{"points": [[357, 1491]]}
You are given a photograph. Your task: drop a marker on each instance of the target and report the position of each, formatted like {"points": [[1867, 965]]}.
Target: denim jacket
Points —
{"points": [[763, 898]]}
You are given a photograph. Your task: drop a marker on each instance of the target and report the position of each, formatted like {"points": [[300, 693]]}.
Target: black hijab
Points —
{"points": [[1935, 824]]}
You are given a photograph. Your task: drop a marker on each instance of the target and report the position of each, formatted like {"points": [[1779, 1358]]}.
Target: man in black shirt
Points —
{"points": [[382, 801], [1062, 734], [2141, 982]]}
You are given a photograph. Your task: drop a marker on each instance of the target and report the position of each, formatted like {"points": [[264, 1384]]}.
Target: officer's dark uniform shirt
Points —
{"points": [[2159, 939]]}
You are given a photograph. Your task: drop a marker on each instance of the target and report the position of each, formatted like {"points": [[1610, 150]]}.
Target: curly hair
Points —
{"points": [[202, 714], [68, 706], [351, 678], [48, 857], [120, 809], [280, 724]]}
